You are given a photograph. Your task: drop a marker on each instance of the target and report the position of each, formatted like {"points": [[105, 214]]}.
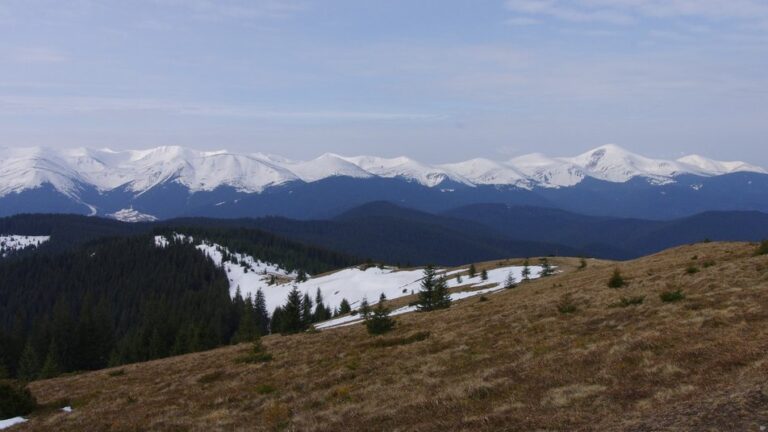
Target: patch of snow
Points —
{"points": [[13, 243], [131, 215], [495, 282], [248, 275], [4, 424], [67, 409]]}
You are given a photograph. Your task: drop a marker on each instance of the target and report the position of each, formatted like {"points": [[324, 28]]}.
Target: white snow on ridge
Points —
{"points": [[12, 243], [495, 282], [4, 424], [248, 275], [131, 215], [68, 171]]}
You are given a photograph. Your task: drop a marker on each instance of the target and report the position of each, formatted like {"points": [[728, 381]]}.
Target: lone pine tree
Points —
{"points": [[434, 292]]}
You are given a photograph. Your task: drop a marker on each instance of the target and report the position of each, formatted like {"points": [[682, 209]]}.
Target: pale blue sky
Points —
{"points": [[439, 80]]}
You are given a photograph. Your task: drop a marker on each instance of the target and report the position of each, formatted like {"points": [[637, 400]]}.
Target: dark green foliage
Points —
{"points": [[344, 307], [526, 270], [260, 311], [111, 302], [510, 282], [484, 275], [306, 311], [290, 320], [15, 400], [616, 280], [546, 268], [322, 312], [708, 263], [365, 308], [379, 322], [390, 342], [434, 292], [582, 264], [763, 248], [671, 296], [630, 301], [472, 271], [264, 246], [257, 354], [302, 276], [566, 304], [483, 299], [265, 389], [691, 270]]}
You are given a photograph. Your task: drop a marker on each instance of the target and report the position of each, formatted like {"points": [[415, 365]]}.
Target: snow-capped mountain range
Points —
{"points": [[171, 181], [140, 170]]}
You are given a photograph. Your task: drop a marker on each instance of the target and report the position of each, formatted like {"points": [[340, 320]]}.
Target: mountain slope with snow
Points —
{"points": [[159, 180]]}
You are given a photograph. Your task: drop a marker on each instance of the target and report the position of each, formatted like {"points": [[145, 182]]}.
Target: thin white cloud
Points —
{"points": [[32, 55], [29, 105], [628, 11]]}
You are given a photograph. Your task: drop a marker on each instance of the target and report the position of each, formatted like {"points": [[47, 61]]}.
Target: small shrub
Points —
{"points": [[566, 305], [616, 280], [582, 263], [708, 264], [257, 354], [630, 301], [671, 296], [264, 389], [763, 248], [390, 342], [691, 270], [15, 400], [116, 373], [483, 298], [694, 258], [379, 322]]}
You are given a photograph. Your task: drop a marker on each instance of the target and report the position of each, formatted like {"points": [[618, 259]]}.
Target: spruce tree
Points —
{"points": [[321, 311], [616, 280], [442, 298], [484, 275], [434, 292], [276, 323], [29, 363], [302, 276], [261, 314], [472, 271], [526, 270], [248, 329], [379, 322], [365, 308], [546, 268], [510, 282], [291, 315], [344, 307], [306, 311]]}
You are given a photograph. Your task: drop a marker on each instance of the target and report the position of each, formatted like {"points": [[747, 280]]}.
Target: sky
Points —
{"points": [[436, 80]]}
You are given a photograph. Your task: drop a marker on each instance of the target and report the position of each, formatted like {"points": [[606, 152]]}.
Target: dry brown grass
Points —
{"points": [[511, 363]]}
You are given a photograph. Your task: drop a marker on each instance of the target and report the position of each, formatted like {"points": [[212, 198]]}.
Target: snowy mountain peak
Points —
{"points": [[70, 171]]}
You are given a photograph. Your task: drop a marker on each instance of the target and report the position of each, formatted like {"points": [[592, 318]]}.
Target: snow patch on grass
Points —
{"points": [[11, 422]]}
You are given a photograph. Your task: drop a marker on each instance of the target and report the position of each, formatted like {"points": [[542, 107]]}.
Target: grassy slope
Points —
{"points": [[510, 363]]}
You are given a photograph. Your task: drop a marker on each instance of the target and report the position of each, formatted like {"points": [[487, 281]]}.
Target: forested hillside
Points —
{"points": [[122, 300]]}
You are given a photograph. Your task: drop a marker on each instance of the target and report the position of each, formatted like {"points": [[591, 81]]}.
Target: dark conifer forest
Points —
{"points": [[117, 300]]}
